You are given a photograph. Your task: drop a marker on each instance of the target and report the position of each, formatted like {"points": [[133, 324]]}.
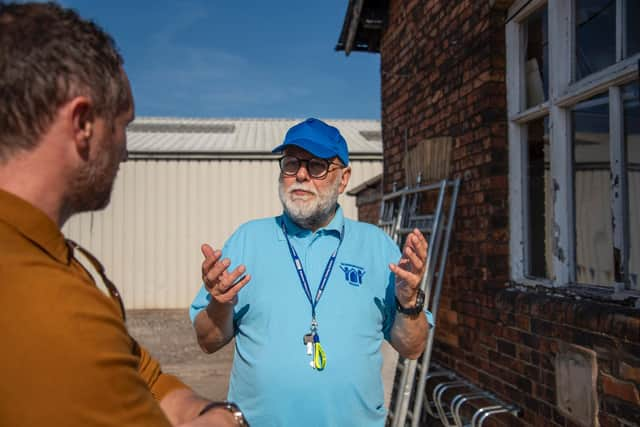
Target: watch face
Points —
{"points": [[237, 414], [420, 299]]}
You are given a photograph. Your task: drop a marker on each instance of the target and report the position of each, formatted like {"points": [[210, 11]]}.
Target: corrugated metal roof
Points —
{"points": [[178, 137]]}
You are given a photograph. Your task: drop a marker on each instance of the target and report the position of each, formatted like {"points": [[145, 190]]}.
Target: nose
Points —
{"points": [[303, 173]]}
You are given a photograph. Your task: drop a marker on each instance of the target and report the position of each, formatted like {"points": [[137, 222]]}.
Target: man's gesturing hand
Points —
{"points": [[410, 269], [222, 285]]}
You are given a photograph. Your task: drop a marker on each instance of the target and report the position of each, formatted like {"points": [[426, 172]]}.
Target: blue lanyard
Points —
{"points": [[303, 277]]}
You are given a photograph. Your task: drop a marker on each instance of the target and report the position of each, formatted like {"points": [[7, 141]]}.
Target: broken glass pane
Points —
{"points": [[595, 36], [537, 58]]}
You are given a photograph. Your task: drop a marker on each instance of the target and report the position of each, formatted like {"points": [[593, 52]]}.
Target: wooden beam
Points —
{"points": [[353, 26]]}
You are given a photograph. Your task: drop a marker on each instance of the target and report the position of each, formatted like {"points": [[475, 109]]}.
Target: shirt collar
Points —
{"points": [[335, 226], [34, 225]]}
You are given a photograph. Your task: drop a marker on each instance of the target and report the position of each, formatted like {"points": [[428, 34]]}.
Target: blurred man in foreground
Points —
{"points": [[67, 358]]}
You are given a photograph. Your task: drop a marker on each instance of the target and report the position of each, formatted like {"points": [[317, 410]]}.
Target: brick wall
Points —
{"points": [[369, 212], [368, 202], [443, 75]]}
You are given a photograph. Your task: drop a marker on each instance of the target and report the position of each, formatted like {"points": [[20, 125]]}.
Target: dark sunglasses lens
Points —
{"points": [[318, 167], [289, 165]]}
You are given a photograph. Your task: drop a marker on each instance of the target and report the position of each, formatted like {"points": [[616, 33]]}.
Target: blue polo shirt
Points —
{"points": [[271, 378]]}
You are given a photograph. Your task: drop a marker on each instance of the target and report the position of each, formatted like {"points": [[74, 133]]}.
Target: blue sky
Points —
{"points": [[214, 58]]}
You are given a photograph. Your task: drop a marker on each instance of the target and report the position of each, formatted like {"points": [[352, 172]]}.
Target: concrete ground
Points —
{"points": [[170, 338]]}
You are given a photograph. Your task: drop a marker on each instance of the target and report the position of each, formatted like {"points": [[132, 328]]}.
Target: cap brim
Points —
{"points": [[318, 150]]}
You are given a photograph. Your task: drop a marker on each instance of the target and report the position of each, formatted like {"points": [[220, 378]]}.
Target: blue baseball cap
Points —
{"points": [[318, 138]]}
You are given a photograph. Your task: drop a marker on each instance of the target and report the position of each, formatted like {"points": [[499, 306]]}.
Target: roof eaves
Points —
{"points": [[371, 182], [362, 27]]}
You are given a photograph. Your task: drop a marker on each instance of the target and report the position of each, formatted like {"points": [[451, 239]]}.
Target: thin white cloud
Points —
{"points": [[189, 13]]}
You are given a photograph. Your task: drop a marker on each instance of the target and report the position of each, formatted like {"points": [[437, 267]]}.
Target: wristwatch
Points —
{"points": [[229, 406], [412, 311]]}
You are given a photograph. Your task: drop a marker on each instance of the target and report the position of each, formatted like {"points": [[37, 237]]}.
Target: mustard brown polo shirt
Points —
{"points": [[66, 358]]}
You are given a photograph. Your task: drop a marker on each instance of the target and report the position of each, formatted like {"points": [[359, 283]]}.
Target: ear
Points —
{"points": [[82, 117], [344, 181]]}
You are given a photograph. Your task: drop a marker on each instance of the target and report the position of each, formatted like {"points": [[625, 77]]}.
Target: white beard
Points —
{"points": [[309, 214]]}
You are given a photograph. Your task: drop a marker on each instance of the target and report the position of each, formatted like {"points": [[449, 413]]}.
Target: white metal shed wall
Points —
{"points": [[162, 210]]}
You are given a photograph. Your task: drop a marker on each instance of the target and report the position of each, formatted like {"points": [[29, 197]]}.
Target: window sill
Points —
{"points": [[607, 294]]}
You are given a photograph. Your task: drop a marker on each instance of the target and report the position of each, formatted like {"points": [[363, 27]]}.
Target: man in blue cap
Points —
{"points": [[324, 292]]}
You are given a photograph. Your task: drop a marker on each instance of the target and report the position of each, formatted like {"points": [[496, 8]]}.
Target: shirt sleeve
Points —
{"points": [[199, 303], [70, 361], [392, 256], [158, 382]]}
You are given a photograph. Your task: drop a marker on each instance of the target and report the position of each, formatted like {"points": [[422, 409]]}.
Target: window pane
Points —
{"points": [[595, 36], [632, 28], [594, 243], [632, 141], [537, 58], [540, 206]]}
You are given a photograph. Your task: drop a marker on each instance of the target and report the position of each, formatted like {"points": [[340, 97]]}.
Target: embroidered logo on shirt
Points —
{"points": [[352, 274]]}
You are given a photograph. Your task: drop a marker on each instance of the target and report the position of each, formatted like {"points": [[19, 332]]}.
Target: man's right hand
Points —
{"points": [[221, 285], [214, 325]]}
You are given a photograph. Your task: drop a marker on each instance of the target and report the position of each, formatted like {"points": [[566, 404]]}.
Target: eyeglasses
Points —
{"points": [[316, 167]]}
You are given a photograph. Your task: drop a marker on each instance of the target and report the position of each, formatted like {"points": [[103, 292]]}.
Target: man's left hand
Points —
{"points": [[411, 268]]}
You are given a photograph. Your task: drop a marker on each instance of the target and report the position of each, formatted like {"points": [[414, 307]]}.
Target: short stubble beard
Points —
{"points": [[93, 184]]}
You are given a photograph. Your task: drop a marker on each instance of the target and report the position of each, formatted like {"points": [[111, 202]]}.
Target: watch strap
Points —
{"points": [[412, 311], [229, 406]]}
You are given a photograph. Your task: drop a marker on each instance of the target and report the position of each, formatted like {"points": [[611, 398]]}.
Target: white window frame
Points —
{"points": [[563, 95]]}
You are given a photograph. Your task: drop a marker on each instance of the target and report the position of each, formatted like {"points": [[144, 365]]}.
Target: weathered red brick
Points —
{"points": [[624, 390], [630, 372]]}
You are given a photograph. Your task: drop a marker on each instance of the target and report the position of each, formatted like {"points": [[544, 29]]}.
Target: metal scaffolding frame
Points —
{"points": [[400, 212]]}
